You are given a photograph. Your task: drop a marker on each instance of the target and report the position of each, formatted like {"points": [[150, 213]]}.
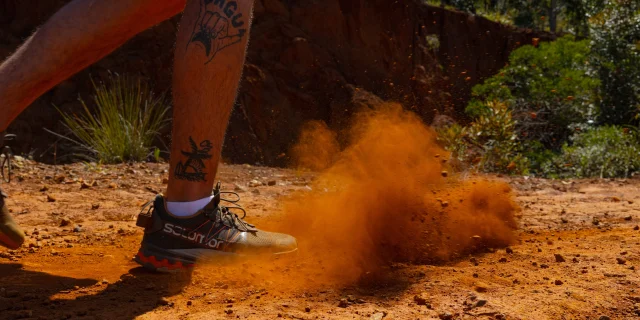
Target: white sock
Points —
{"points": [[185, 209]]}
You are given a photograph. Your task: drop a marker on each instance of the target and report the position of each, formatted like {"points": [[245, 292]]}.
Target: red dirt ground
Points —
{"points": [[88, 273]]}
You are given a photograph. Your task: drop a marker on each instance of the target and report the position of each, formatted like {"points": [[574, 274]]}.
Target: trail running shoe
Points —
{"points": [[11, 236], [172, 244]]}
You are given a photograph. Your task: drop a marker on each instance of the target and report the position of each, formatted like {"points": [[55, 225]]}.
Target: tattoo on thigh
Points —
{"points": [[193, 168], [218, 27]]}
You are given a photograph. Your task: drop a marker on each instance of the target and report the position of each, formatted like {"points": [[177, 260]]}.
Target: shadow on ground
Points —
{"points": [[31, 294]]}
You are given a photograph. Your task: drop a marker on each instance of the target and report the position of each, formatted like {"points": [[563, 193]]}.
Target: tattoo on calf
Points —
{"points": [[218, 27], [193, 168]]}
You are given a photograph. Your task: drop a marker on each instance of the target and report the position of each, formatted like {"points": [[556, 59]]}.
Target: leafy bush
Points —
{"points": [[616, 58], [547, 88], [129, 116], [489, 143], [605, 152]]}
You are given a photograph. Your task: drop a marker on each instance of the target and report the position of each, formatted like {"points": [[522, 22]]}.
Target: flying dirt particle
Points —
{"points": [[559, 257]]}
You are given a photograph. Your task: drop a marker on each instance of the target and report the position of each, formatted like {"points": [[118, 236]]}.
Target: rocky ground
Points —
{"points": [[577, 256]]}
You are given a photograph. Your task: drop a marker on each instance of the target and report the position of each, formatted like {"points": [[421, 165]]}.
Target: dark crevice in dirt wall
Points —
{"points": [[319, 60]]}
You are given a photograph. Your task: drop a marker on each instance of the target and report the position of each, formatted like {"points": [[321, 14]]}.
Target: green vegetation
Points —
{"points": [[568, 108], [128, 118]]}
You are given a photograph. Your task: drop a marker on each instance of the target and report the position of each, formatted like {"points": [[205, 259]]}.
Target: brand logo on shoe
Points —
{"points": [[184, 233]]}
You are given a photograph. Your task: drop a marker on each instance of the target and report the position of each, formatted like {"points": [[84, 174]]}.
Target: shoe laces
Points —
{"points": [[224, 214]]}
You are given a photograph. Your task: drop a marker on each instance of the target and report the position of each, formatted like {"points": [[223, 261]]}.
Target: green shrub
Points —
{"points": [[489, 144], [604, 152], [548, 89], [128, 118]]}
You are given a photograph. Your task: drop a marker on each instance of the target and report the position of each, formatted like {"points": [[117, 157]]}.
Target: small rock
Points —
{"points": [[558, 282], [595, 221], [271, 183], [377, 316], [95, 206], [51, 198], [343, 303], [445, 316], [627, 218], [544, 266], [65, 222], [44, 189], [481, 287], [621, 260], [476, 238], [94, 183], [228, 311], [615, 199], [636, 228], [444, 204], [113, 185], [254, 183], [59, 179], [503, 260], [444, 173], [473, 261], [564, 220], [307, 309], [84, 185], [77, 228], [559, 257], [509, 250], [163, 301], [480, 303], [238, 189], [604, 318], [189, 302], [165, 181], [255, 191], [420, 300]]}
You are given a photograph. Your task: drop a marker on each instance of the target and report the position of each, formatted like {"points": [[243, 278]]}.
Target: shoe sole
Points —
{"points": [[10, 243], [161, 260]]}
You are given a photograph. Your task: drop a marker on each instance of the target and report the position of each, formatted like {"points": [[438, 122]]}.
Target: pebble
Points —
{"points": [[255, 191], [65, 222], [627, 218], [44, 189], [509, 250], [163, 302], [84, 185], [420, 300], [559, 257], [77, 228], [558, 282], [502, 260], [343, 303], [95, 206], [480, 303], [636, 228], [481, 287], [254, 183], [604, 318], [271, 183], [51, 198], [377, 316], [621, 260], [444, 173], [445, 316], [307, 309]]}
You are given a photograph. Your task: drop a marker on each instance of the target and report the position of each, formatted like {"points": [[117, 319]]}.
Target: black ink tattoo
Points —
{"points": [[213, 31], [193, 168]]}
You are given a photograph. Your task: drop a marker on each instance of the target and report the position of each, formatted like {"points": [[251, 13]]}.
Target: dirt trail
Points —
{"points": [[77, 262]]}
